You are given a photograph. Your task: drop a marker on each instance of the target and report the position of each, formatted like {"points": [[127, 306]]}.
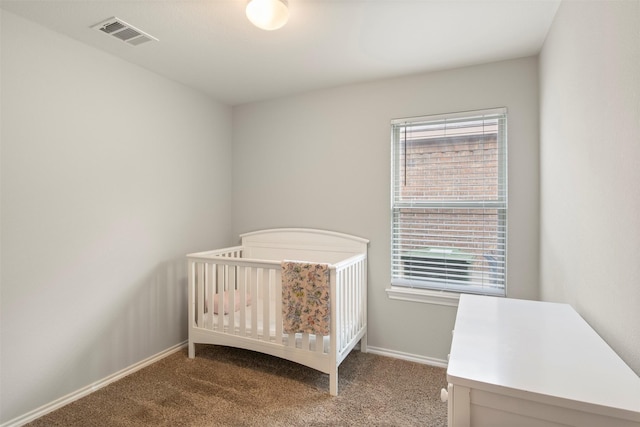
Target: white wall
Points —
{"points": [[322, 160], [107, 182], [590, 168]]}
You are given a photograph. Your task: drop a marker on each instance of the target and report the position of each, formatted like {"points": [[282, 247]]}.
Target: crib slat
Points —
{"points": [[208, 281], [305, 342], [339, 303], [342, 318], [345, 304], [363, 290], [291, 340], [347, 309], [208, 284], [352, 309], [278, 305], [360, 295], [266, 287], [231, 292], [254, 305], [219, 286], [352, 302], [242, 291], [344, 321], [319, 343], [356, 298], [352, 299], [200, 294]]}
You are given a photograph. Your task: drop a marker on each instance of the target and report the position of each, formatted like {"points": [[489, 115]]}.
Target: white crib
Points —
{"points": [[243, 286]]}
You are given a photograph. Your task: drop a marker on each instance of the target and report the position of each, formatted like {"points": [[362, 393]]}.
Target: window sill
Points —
{"points": [[426, 296]]}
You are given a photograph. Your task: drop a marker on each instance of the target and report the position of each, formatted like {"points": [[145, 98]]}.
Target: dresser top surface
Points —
{"points": [[542, 350]]}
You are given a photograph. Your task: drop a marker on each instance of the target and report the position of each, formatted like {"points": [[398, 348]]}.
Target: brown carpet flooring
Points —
{"points": [[233, 387]]}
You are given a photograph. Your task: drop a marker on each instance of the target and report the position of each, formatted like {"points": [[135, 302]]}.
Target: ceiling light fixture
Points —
{"points": [[268, 14]]}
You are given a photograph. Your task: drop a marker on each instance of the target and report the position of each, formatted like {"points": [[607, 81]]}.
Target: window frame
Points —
{"points": [[447, 293]]}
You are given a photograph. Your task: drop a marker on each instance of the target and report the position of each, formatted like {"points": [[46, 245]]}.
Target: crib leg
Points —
{"points": [[363, 343], [333, 383], [192, 350]]}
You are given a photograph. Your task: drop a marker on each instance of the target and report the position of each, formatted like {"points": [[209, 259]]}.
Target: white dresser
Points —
{"points": [[520, 363]]}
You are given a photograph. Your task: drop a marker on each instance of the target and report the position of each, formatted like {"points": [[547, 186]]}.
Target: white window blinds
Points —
{"points": [[449, 202]]}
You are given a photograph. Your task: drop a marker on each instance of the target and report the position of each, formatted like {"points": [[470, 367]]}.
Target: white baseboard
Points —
{"points": [[440, 363], [84, 391]]}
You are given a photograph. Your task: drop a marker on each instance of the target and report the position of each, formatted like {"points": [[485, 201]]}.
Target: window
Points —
{"points": [[449, 202]]}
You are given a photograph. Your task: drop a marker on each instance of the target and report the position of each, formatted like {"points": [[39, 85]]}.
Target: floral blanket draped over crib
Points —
{"points": [[305, 298]]}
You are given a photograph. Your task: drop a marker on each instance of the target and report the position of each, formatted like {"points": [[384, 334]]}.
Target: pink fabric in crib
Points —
{"points": [[225, 302], [306, 305]]}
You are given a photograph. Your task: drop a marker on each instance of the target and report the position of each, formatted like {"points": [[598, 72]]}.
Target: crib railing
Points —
{"points": [[243, 297], [351, 302]]}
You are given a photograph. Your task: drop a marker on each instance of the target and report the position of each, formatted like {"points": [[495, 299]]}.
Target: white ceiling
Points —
{"points": [[211, 46]]}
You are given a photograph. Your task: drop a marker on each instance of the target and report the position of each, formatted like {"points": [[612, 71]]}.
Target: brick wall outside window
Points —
{"points": [[462, 168]]}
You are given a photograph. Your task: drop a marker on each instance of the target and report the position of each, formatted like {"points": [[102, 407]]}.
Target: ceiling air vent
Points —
{"points": [[121, 30]]}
